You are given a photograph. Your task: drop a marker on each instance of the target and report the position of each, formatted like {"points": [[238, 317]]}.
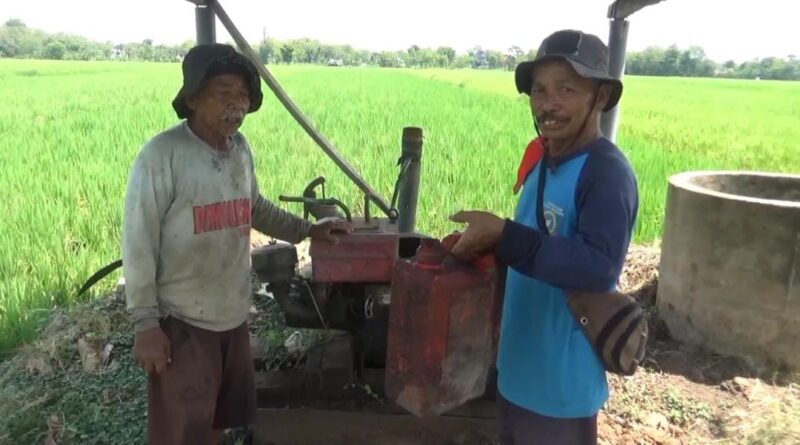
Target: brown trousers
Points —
{"points": [[208, 386]]}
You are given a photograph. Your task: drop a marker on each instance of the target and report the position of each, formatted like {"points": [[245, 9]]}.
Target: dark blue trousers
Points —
{"points": [[519, 426]]}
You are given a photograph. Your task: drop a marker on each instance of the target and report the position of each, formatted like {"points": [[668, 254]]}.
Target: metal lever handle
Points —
{"points": [[317, 201]]}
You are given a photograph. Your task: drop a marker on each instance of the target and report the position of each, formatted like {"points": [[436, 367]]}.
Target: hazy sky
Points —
{"points": [[727, 29]]}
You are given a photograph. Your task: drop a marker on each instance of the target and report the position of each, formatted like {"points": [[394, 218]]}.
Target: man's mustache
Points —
{"points": [[541, 118], [234, 115]]}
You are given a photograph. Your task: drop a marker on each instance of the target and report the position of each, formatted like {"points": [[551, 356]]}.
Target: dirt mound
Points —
{"points": [[639, 277], [688, 395]]}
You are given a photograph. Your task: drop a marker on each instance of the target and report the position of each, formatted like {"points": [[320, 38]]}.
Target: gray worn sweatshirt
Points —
{"points": [[186, 231]]}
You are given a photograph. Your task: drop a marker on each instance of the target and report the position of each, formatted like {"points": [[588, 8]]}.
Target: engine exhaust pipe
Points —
{"points": [[410, 169]]}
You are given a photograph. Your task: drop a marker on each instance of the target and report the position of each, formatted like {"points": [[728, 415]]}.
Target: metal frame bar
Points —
{"points": [[298, 115], [622, 9], [206, 10], [617, 43], [618, 13], [205, 23]]}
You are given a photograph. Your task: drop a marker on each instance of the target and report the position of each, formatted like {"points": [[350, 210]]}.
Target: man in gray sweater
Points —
{"points": [[191, 201]]}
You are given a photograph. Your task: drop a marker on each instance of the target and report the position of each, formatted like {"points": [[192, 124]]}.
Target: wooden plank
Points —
{"points": [[273, 380], [483, 407], [337, 368], [314, 427]]}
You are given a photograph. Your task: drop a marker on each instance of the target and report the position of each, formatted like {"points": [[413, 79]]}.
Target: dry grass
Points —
{"points": [[770, 416], [639, 278]]}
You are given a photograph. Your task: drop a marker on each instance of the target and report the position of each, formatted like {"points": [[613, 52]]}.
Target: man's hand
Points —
{"points": [[482, 234], [151, 350], [324, 229]]}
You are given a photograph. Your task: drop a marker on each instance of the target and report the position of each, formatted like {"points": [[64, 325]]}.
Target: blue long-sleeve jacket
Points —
{"points": [[590, 205]]}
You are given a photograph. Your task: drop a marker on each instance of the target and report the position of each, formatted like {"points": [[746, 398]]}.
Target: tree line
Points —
{"points": [[693, 62], [19, 41]]}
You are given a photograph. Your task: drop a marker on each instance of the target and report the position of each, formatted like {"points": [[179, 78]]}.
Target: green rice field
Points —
{"points": [[70, 130]]}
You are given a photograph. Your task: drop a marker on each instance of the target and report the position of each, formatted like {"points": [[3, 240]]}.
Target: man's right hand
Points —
{"points": [[151, 350]]}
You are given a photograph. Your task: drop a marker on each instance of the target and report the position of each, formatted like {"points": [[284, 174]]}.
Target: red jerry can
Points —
{"points": [[442, 329]]}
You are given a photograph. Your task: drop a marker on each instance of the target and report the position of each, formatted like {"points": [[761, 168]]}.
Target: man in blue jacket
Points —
{"points": [[551, 383]]}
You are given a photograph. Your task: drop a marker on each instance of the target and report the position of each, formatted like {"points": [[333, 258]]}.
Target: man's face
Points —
{"points": [[560, 99], [221, 105]]}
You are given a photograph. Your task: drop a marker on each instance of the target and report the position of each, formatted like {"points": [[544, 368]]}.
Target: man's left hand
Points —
{"points": [[325, 229], [482, 234]]}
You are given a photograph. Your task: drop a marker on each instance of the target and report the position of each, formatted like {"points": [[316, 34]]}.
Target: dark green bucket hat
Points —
{"points": [[205, 61], [586, 53]]}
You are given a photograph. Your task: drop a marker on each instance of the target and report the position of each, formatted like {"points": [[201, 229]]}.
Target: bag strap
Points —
{"points": [[540, 195], [615, 365]]}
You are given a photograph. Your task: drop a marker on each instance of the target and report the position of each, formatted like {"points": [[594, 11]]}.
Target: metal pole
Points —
{"points": [[408, 195], [205, 23], [298, 115], [617, 43]]}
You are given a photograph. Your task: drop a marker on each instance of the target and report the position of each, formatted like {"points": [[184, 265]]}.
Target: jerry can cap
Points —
{"points": [[430, 254]]}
